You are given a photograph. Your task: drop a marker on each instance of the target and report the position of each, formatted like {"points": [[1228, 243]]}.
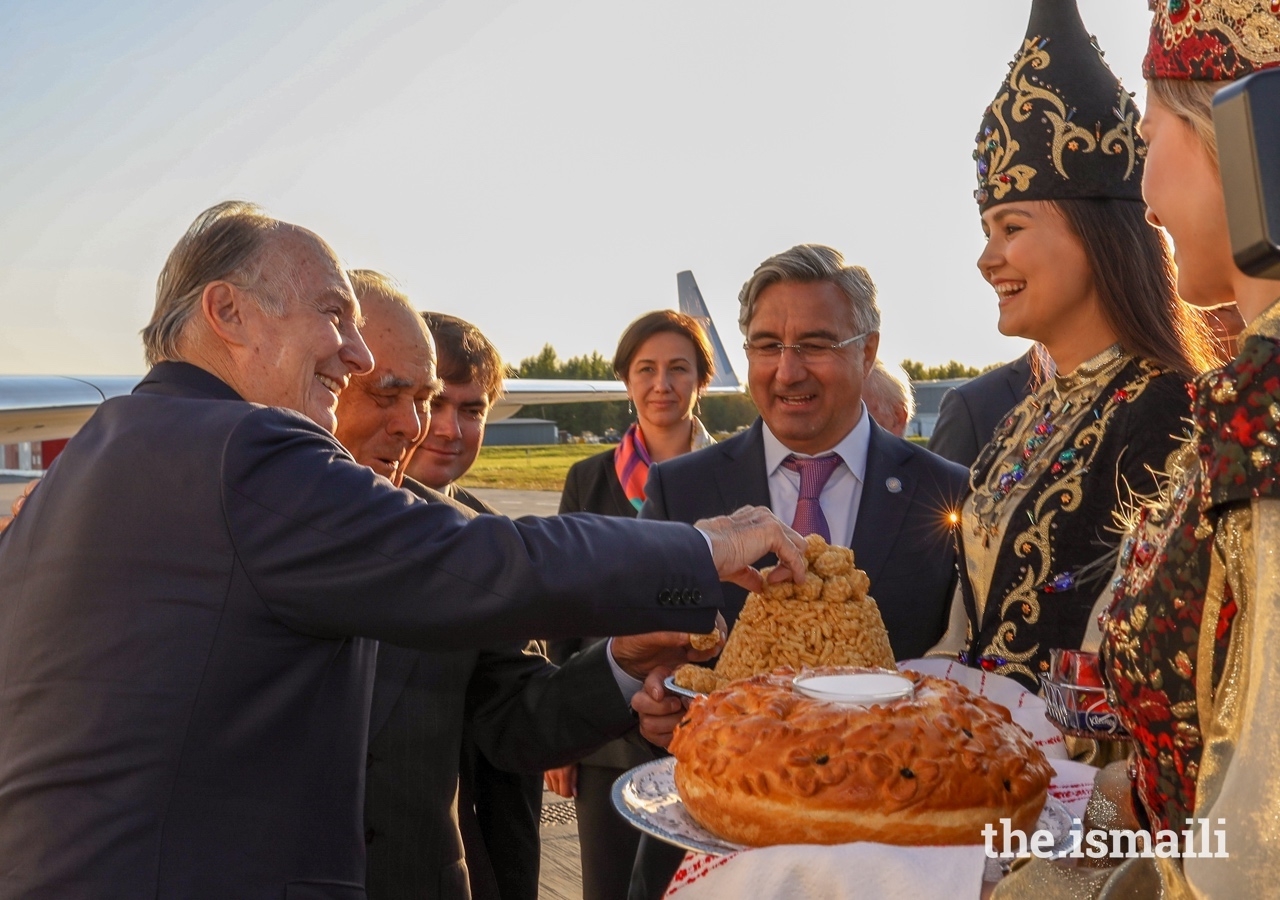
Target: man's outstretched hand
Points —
{"points": [[739, 539]]}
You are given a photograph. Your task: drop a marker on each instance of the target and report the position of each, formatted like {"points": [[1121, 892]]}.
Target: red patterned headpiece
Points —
{"points": [[1212, 40]]}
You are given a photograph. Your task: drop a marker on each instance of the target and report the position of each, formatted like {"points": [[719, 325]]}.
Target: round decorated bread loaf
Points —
{"points": [[760, 763]]}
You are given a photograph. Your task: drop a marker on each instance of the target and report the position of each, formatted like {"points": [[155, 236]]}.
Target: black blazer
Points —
{"points": [[969, 414], [499, 812], [591, 485], [183, 698], [901, 539]]}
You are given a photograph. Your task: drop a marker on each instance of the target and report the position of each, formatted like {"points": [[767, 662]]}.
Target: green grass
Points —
{"points": [[536, 468]]}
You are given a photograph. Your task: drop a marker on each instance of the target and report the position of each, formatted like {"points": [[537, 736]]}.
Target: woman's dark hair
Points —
{"points": [[656, 322], [1134, 276]]}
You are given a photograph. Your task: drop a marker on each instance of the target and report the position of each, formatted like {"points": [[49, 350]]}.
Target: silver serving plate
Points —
{"points": [[646, 797], [672, 688]]}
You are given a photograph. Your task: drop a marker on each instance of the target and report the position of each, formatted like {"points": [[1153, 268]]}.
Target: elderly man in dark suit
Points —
{"points": [[185, 668], [505, 704], [818, 460]]}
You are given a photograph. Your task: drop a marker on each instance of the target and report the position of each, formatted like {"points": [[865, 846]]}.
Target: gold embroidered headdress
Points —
{"points": [[1061, 126], [1212, 40]]}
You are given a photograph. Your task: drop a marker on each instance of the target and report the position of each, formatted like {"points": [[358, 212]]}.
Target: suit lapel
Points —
{"points": [[881, 511], [1018, 377], [741, 477], [395, 665]]}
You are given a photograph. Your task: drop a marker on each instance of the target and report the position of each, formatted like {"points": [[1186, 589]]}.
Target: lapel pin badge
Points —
{"points": [[894, 485]]}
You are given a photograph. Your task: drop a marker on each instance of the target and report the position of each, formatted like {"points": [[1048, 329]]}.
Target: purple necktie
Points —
{"points": [[814, 473]]}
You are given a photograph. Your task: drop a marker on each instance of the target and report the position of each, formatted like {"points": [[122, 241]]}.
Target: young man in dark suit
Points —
{"points": [[507, 702], [190, 592], [818, 460]]}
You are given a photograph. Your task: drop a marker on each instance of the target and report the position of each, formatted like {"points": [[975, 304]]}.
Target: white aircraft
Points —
{"points": [[51, 407]]}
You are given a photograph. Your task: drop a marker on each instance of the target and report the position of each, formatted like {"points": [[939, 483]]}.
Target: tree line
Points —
{"points": [[721, 413]]}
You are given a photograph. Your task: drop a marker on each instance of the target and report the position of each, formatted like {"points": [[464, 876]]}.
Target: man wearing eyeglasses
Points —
{"points": [[816, 457], [819, 461]]}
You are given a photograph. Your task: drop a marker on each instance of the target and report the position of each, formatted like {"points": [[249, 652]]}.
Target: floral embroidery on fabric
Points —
{"points": [[1240, 409], [1212, 40], [1153, 626]]}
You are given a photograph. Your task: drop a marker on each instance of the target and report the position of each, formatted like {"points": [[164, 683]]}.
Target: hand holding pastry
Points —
{"points": [[639, 654], [739, 539]]}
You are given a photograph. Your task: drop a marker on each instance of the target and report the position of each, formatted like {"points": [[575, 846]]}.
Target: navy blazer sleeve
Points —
{"points": [[955, 436], [313, 531], [527, 715]]}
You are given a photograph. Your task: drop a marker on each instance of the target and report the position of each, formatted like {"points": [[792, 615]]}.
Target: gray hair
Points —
{"points": [[226, 242], [890, 388], [370, 284], [807, 263]]}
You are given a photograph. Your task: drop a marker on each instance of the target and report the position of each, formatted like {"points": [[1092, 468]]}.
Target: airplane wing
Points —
{"points": [[50, 407], [519, 392]]}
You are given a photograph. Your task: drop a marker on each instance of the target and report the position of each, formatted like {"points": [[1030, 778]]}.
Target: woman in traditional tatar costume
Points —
{"points": [[1077, 268], [1191, 650], [1192, 647]]}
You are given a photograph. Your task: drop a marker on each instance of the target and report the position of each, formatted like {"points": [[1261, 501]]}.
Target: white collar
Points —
{"points": [[852, 448]]}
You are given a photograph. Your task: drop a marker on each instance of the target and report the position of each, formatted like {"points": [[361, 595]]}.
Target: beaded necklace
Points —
{"points": [[1023, 447]]}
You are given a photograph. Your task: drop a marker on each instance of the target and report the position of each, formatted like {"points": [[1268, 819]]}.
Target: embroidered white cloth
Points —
{"points": [[845, 872]]}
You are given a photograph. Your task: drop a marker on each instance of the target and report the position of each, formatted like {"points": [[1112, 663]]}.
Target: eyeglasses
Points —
{"points": [[805, 351]]}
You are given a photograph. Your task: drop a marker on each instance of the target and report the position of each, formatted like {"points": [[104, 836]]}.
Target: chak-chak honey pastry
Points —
{"points": [[760, 763], [828, 620]]}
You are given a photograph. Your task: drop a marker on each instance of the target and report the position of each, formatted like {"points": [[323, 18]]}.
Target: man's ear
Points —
{"points": [[224, 307], [870, 344]]}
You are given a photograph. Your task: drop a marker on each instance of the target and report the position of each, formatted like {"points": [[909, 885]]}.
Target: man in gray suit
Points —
{"points": [[189, 593]]}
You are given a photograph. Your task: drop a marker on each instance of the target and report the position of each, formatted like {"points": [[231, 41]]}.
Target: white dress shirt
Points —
{"points": [[842, 493]]}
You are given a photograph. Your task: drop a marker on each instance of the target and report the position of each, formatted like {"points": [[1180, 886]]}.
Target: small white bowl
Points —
{"points": [[858, 689]]}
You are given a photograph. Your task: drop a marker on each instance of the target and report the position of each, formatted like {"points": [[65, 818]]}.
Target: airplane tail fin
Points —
{"points": [[692, 304]]}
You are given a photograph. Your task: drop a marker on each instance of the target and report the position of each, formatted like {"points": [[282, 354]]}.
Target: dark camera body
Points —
{"points": [[1246, 118]]}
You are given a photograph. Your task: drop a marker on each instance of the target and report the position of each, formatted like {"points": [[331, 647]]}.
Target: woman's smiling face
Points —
{"points": [[1038, 268]]}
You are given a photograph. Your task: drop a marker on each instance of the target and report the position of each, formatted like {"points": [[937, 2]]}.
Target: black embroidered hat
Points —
{"points": [[1061, 126]]}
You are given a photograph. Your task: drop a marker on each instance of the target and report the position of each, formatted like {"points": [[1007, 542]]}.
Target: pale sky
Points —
{"points": [[540, 167]]}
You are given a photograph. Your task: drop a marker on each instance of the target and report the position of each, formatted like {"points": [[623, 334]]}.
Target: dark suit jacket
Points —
{"points": [[499, 812], [901, 539], [506, 706], [969, 414], [591, 485], [184, 703]]}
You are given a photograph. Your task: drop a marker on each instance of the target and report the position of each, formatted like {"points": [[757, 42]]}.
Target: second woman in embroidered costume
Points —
{"points": [[1076, 267]]}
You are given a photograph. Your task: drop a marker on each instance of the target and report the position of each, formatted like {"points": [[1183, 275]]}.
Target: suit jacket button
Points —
{"points": [[686, 597], [664, 597], [697, 596]]}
